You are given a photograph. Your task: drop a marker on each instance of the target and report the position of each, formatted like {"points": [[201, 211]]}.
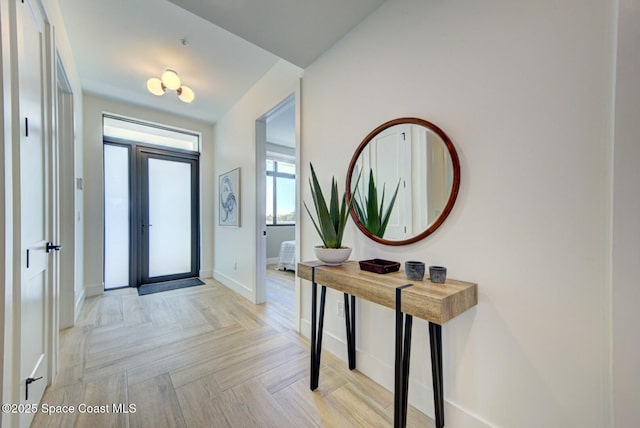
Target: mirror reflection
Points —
{"points": [[408, 180]]}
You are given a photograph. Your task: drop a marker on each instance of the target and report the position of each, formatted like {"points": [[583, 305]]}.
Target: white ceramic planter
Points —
{"points": [[332, 256]]}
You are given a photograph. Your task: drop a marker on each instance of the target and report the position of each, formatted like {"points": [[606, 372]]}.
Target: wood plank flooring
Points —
{"points": [[206, 357]]}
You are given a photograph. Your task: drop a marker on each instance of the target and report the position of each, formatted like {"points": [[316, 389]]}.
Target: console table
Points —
{"points": [[436, 303]]}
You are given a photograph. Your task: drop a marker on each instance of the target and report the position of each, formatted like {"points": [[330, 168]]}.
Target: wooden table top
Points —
{"points": [[437, 303]]}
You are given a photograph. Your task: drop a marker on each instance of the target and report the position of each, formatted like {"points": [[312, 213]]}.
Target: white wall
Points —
{"points": [[94, 107], [626, 227], [275, 236], [234, 134], [524, 90]]}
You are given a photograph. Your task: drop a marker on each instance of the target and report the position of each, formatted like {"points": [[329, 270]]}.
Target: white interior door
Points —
{"points": [[388, 155], [32, 318]]}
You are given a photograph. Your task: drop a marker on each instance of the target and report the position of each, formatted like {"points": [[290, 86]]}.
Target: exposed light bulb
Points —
{"points": [[154, 85], [185, 94], [170, 79]]}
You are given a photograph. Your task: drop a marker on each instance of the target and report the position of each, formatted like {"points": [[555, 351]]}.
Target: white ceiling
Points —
{"points": [[119, 44], [281, 126], [296, 30]]}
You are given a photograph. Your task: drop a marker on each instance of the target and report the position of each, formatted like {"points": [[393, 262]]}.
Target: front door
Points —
{"points": [[33, 202], [151, 214], [168, 189]]}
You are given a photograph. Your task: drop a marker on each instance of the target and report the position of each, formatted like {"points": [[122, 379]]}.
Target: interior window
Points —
{"points": [[281, 192]]}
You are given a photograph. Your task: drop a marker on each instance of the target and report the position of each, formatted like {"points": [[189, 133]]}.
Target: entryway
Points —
{"points": [[151, 204], [276, 172]]}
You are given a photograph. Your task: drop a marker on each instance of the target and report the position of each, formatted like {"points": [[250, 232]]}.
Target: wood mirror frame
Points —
{"points": [[455, 186]]}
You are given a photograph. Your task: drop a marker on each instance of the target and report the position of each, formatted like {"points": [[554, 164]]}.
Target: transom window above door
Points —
{"points": [[133, 130]]}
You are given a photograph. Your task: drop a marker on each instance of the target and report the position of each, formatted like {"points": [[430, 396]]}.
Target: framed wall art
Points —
{"points": [[229, 191]]}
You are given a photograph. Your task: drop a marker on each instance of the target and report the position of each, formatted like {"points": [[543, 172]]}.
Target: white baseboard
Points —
{"points": [[206, 273], [93, 290], [273, 260], [78, 306], [420, 395], [456, 416], [231, 283]]}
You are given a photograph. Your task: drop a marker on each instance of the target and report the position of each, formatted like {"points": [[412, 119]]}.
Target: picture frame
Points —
{"points": [[229, 198]]}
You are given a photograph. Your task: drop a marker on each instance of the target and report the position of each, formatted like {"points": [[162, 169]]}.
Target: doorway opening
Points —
{"points": [[276, 158], [67, 190], [151, 203]]}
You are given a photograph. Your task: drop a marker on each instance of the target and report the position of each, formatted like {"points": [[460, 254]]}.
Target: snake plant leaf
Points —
{"points": [[325, 223], [358, 207], [334, 210], [343, 215], [346, 209], [315, 225], [331, 219], [373, 215], [386, 216]]}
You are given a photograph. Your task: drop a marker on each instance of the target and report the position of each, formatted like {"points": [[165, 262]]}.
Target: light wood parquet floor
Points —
{"points": [[206, 357]]}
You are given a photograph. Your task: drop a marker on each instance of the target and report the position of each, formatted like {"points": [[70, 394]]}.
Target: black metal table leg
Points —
{"points": [[402, 360], [406, 358], [316, 337], [350, 323], [435, 342]]}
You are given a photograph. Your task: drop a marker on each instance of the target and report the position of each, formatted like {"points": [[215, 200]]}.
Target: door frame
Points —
{"points": [[50, 98], [261, 217], [261, 183], [136, 257], [66, 144]]}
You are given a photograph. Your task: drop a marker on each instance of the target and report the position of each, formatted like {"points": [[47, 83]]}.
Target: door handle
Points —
{"points": [[29, 381], [52, 246]]}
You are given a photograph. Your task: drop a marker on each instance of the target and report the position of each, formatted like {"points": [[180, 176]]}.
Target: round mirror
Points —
{"points": [[404, 179]]}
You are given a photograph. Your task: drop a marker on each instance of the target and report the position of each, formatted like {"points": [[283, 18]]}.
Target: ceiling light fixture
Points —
{"points": [[170, 80]]}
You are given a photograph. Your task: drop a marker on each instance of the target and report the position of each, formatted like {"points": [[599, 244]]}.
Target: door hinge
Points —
{"points": [[27, 259], [404, 136], [26, 126]]}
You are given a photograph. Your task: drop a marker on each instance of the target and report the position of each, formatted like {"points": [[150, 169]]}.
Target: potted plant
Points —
{"points": [[371, 215], [331, 221]]}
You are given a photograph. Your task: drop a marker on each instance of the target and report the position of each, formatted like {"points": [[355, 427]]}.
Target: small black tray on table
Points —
{"points": [[379, 266]]}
